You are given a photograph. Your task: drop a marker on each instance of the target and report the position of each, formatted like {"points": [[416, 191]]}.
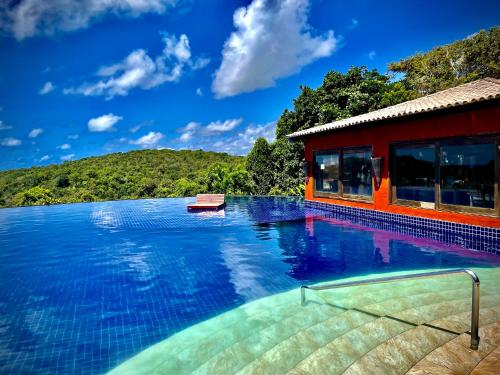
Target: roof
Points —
{"points": [[472, 92]]}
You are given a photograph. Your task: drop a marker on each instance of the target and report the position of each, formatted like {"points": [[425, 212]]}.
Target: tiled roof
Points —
{"points": [[472, 92]]}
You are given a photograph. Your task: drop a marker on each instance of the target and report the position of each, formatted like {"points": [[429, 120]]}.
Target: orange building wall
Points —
{"points": [[468, 123]]}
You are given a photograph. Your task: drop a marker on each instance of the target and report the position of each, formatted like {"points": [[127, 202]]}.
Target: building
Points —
{"points": [[435, 157]]}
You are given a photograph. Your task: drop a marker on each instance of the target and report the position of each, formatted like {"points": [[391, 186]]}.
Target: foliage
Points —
{"points": [[259, 166], [229, 179], [287, 166], [466, 60], [186, 188], [341, 95], [359, 91], [34, 196], [135, 174], [396, 93]]}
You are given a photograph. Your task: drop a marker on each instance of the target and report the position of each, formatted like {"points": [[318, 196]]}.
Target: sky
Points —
{"points": [[81, 78]]}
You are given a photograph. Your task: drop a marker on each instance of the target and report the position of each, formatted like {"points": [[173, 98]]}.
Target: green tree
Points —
{"points": [[216, 179], [61, 181], [396, 93], [186, 188], [466, 60], [341, 95], [239, 182], [147, 188], [357, 91], [260, 166], [34, 196], [287, 167], [228, 179]]}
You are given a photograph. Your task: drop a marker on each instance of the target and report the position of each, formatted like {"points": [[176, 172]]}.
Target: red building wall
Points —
{"points": [[479, 121]]}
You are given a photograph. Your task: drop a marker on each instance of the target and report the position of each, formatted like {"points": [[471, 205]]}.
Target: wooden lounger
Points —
{"points": [[208, 202]]}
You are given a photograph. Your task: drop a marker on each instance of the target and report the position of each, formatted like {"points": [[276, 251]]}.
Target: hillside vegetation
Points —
{"points": [[135, 174]]}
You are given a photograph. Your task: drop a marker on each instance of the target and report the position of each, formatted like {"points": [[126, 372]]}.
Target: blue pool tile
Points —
{"points": [[86, 286]]}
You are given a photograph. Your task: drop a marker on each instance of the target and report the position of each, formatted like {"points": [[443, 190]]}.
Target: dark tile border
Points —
{"points": [[468, 236]]}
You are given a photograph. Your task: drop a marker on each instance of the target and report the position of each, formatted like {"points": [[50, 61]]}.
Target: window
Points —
{"points": [[414, 172], [453, 174], [467, 175], [343, 172], [326, 167], [356, 172]]}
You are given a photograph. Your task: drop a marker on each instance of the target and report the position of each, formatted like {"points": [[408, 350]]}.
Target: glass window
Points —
{"points": [[467, 173], [414, 172], [356, 172], [326, 167]]}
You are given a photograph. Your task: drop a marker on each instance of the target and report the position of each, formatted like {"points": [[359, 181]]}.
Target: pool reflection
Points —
{"points": [[322, 248]]}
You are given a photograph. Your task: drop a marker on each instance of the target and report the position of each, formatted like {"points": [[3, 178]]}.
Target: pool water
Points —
{"points": [[86, 286]]}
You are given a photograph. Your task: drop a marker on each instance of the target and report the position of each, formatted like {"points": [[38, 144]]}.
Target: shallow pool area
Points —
{"points": [[410, 327], [88, 286]]}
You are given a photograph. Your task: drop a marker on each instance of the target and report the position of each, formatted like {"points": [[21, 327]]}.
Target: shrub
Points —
{"points": [[34, 196]]}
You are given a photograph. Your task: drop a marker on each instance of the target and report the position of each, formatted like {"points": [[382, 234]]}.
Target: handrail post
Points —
{"points": [[474, 318], [303, 295]]}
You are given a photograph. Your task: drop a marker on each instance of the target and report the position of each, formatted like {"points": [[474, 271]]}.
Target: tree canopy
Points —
{"points": [[475, 57]]}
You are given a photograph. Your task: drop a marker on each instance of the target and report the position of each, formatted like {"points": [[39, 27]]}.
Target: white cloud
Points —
{"points": [[272, 40], [196, 136], [67, 157], [371, 55], [199, 92], [45, 158], [186, 137], [27, 18], [9, 141], [223, 127], [135, 129], [65, 146], [194, 128], [73, 136], [148, 140], [103, 123], [139, 70], [4, 126], [200, 63], [354, 23], [188, 131], [191, 126], [35, 132], [242, 142], [46, 88]]}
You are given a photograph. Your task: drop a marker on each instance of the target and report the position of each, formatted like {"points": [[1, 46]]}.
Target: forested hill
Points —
{"points": [[135, 174]]}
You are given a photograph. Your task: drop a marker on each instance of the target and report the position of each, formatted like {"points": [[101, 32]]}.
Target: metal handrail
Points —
{"points": [[474, 325]]}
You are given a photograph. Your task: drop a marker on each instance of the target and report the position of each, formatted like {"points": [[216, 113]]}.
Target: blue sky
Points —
{"points": [[83, 78]]}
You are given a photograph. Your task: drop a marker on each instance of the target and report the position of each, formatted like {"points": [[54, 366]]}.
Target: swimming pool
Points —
{"points": [[86, 286]]}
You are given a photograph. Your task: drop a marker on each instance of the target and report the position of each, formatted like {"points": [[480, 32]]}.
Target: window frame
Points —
{"points": [[340, 194], [438, 204], [393, 175], [321, 193]]}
